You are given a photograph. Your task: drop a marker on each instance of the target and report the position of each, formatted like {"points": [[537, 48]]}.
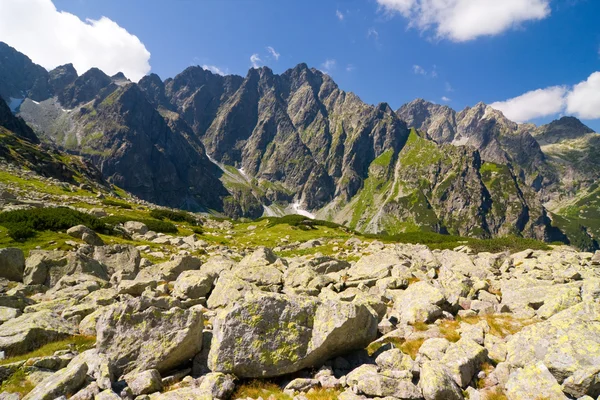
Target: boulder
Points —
{"points": [[375, 266], [267, 335], [136, 339], [48, 267], [33, 330], [228, 289], [12, 264], [65, 382], [135, 227], [462, 360], [170, 270], [533, 382], [144, 382], [419, 303], [368, 381], [192, 285], [437, 384], [86, 234], [566, 343], [119, 258], [266, 277], [260, 258]]}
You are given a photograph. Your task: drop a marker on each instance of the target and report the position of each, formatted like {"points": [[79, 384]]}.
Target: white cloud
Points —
{"points": [[417, 69], [446, 99], [350, 67], [534, 104], [584, 99], [449, 87], [373, 33], [275, 54], [255, 60], [215, 70], [463, 20], [339, 15], [52, 38], [329, 65]]}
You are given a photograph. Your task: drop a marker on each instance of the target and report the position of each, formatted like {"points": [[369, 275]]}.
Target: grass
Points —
{"points": [[323, 394], [17, 383], [411, 347], [256, 388], [501, 325], [496, 394], [79, 343], [449, 329], [116, 203]]}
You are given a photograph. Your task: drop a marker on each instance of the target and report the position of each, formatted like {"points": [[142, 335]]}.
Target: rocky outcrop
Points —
{"points": [[308, 333]]}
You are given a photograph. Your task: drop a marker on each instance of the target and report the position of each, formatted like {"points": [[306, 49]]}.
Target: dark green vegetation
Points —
{"points": [[177, 216], [116, 203], [23, 224], [301, 222], [152, 224]]}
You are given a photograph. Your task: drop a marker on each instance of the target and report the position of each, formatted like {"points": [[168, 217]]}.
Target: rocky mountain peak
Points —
{"points": [[20, 77], [85, 88], [566, 128], [15, 124], [61, 77]]}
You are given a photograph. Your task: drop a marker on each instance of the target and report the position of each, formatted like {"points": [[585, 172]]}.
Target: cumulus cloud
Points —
{"points": [[446, 99], [275, 54], [463, 20], [372, 32], [350, 67], [215, 70], [255, 60], [52, 38], [584, 99], [339, 15], [534, 104]]}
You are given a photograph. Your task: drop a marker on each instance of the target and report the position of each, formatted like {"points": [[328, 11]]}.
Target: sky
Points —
{"points": [[535, 60]]}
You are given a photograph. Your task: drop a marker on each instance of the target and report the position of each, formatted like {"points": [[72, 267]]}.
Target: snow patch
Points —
{"points": [[35, 102], [242, 172], [300, 211], [14, 104]]}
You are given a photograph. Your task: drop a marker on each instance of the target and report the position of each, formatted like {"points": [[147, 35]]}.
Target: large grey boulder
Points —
{"points": [[419, 303], [462, 360], [65, 382], [48, 267], [12, 264], [228, 289], [533, 382], [437, 384], [192, 285], [86, 234], [375, 266], [566, 343], [135, 227], [144, 382], [119, 258], [32, 330], [267, 335], [136, 339], [367, 380], [259, 258], [170, 270]]}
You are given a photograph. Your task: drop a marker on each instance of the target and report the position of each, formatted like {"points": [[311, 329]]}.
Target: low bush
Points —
{"points": [[116, 203], [302, 222], [23, 224], [177, 216]]}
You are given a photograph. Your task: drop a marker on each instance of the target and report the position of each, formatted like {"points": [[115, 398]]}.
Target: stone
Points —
{"points": [[170, 270], [136, 339], [134, 227], [437, 384], [462, 360], [144, 382], [419, 303], [228, 289], [119, 258], [217, 385], [32, 330], [533, 382], [394, 359], [8, 313], [86, 234], [566, 343], [259, 258], [48, 267], [12, 264], [368, 381], [108, 394], [62, 383], [583, 382], [192, 285], [135, 287], [88, 392], [375, 266], [268, 335]]}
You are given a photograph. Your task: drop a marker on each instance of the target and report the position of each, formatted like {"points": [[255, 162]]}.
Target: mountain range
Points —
{"points": [[268, 144]]}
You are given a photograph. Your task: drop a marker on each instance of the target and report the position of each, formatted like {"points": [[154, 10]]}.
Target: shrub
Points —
{"points": [[116, 203], [47, 219], [300, 221], [177, 216], [20, 233]]}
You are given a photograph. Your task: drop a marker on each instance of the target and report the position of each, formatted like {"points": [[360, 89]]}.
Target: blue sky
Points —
{"points": [[383, 50]]}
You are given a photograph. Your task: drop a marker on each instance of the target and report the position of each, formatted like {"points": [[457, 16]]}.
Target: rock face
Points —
{"points": [[32, 330], [268, 335], [135, 338], [12, 264], [62, 383]]}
